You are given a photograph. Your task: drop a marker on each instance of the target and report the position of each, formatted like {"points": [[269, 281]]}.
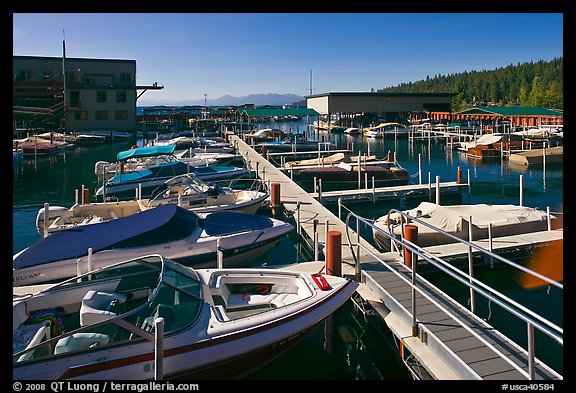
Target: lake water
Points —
{"points": [[345, 346]]}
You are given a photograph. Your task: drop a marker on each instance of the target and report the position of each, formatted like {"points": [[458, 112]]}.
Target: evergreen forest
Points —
{"points": [[527, 84]]}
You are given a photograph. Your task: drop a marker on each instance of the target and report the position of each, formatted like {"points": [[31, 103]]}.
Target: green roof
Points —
{"points": [[512, 111], [269, 112]]}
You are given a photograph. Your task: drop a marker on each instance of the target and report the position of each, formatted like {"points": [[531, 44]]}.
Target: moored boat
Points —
{"points": [[217, 323], [505, 220], [347, 176], [178, 233], [186, 191], [165, 166]]}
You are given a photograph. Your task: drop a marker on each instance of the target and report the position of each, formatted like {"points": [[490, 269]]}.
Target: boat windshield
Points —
{"points": [[144, 290]]}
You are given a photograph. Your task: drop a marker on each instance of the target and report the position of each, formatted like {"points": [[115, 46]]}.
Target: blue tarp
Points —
{"points": [[161, 224], [149, 151], [222, 223]]}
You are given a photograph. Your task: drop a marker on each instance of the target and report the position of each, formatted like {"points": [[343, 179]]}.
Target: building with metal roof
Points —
{"points": [[517, 115], [258, 113], [339, 102]]}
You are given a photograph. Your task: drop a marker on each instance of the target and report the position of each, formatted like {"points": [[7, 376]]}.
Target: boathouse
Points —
{"points": [[515, 115], [388, 105]]}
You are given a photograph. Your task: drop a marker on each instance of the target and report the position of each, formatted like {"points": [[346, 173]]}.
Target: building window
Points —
{"points": [[125, 77], [70, 77], [80, 115], [23, 75], [101, 96], [121, 115], [74, 99], [121, 96], [101, 115]]}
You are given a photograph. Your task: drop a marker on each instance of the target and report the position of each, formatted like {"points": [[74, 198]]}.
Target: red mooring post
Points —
{"points": [[264, 151], [334, 253], [85, 196], [389, 157], [459, 179], [275, 198], [411, 234]]}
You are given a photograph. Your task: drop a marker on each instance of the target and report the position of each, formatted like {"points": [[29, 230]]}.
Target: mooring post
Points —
{"points": [[159, 349], [334, 253]]}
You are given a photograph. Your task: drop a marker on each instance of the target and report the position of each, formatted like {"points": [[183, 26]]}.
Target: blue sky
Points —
{"points": [[193, 54]]}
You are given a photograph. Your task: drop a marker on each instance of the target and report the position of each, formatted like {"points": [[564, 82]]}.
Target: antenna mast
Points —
{"points": [[63, 124], [310, 82]]}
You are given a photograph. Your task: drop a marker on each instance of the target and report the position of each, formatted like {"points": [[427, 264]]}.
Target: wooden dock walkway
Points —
{"points": [[450, 342]]}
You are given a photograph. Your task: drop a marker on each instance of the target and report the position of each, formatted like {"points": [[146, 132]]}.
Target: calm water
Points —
{"points": [[345, 346]]}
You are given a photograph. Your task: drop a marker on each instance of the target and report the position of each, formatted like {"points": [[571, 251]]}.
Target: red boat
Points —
{"points": [[345, 176], [32, 148]]}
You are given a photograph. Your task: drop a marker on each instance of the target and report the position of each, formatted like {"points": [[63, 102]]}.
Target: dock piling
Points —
{"points": [[334, 253]]}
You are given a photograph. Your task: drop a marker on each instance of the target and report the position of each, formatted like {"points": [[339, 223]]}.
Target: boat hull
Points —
{"points": [[208, 349], [340, 178], [238, 250]]}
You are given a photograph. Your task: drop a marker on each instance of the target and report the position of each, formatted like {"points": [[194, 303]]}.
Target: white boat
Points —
{"points": [[385, 128], [506, 220], [196, 157], [331, 160], [186, 191], [552, 155], [352, 131], [105, 170], [177, 233], [217, 323], [147, 179]]}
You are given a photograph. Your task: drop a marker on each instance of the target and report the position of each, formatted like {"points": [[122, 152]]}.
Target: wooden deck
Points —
{"points": [[451, 342]]}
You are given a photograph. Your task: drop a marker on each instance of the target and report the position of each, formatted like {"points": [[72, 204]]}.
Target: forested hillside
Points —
{"points": [[527, 84]]}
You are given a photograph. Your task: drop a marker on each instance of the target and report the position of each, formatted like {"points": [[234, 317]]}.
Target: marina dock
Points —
{"points": [[447, 340]]}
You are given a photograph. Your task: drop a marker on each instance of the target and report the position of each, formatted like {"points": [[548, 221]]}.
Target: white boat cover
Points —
{"points": [[506, 220]]}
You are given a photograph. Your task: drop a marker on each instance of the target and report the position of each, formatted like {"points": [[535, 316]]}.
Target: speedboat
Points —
{"points": [[331, 160], [265, 135], [210, 323], [346, 176], [148, 178], [352, 131], [385, 128], [294, 143], [186, 191], [506, 220], [199, 158], [178, 233]]}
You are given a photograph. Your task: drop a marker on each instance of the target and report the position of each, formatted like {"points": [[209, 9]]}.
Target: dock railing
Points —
{"points": [[532, 319]]}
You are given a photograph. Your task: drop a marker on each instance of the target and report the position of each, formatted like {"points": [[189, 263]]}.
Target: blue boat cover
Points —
{"points": [[149, 151], [223, 223], [164, 170], [173, 168], [161, 224]]}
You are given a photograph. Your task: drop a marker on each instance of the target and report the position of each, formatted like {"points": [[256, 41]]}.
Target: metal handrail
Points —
{"points": [[532, 319], [466, 242]]}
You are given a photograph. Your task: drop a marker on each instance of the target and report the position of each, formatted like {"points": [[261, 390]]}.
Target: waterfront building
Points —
{"points": [[99, 93]]}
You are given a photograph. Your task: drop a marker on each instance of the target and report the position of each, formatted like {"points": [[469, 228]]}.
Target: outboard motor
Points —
{"points": [[53, 213]]}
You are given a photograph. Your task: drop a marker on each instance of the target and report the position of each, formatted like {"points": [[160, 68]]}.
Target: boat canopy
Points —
{"points": [[149, 151], [161, 224], [226, 222]]}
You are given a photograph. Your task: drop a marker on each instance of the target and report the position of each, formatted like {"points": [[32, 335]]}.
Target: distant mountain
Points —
{"points": [[256, 99]]}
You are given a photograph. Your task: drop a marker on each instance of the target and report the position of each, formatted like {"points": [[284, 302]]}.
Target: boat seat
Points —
{"points": [[97, 306], [20, 314], [282, 295], [80, 341]]}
